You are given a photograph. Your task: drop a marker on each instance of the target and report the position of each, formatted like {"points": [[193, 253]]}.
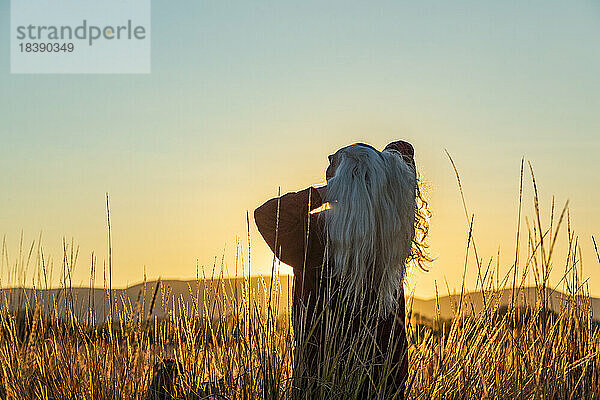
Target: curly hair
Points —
{"points": [[419, 253]]}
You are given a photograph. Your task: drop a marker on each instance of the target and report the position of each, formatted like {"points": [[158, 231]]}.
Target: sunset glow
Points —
{"points": [[246, 101], [323, 207]]}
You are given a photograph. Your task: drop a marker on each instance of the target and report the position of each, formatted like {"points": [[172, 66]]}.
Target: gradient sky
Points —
{"points": [[246, 97]]}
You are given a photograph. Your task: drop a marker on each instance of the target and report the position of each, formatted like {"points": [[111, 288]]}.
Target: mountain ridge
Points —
{"points": [[137, 298]]}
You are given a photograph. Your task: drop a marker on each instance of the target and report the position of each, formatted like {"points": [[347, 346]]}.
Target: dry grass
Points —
{"points": [[500, 353]]}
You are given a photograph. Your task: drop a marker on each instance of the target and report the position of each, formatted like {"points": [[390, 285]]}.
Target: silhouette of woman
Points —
{"points": [[348, 243]]}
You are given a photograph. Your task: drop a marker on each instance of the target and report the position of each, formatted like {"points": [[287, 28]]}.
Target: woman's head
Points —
{"points": [[405, 150], [371, 223]]}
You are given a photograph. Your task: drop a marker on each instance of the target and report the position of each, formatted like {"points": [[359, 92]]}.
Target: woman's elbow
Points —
{"points": [[263, 221]]}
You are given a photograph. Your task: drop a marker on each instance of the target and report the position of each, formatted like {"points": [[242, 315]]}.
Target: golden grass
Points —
{"points": [[499, 353]]}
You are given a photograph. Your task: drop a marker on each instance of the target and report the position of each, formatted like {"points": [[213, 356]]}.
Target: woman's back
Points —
{"points": [[332, 334]]}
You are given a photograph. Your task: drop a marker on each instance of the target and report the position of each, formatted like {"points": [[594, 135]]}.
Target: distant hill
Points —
{"points": [[473, 301], [211, 298], [205, 298]]}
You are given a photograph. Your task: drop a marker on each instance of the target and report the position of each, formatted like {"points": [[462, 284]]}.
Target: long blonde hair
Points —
{"points": [[371, 224]]}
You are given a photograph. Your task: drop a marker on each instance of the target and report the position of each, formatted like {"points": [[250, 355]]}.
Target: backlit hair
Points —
{"points": [[371, 224]]}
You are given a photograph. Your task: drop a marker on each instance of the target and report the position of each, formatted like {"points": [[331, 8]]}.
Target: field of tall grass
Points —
{"points": [[501, 352]]}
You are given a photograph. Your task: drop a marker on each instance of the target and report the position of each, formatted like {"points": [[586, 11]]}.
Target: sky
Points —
{"points": [[245, 98]]}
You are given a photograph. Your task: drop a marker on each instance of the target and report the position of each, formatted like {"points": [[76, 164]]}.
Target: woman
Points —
{"points": [[348, 243]]}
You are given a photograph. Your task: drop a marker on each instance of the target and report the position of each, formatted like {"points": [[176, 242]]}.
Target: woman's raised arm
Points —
{"points": [[283, 221]]}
